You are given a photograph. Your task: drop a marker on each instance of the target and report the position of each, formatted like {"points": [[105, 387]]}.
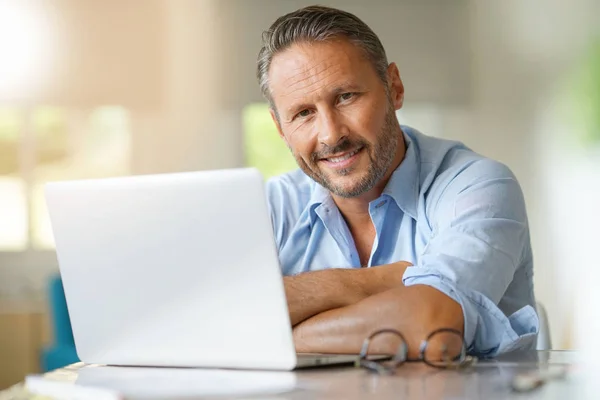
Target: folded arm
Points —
{"points": [[315, 292], [415, 311]]}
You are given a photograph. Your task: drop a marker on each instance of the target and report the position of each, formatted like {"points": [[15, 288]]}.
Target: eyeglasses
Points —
{"points": [[443, 348]]}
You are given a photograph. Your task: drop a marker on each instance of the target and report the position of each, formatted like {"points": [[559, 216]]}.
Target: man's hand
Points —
{"points": [[315, 292]]}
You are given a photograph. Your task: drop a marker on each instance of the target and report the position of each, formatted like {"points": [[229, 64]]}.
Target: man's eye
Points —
{"points": [[346, 96], [303, 113]]}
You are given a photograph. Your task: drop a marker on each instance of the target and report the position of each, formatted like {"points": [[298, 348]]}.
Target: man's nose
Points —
{"points": [[331, 128]]}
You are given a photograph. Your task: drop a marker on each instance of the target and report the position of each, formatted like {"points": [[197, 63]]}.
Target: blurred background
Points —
{"points": [[117, 87]]}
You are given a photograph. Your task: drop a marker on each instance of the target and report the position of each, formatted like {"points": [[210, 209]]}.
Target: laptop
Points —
{"points": [[174, 270]]}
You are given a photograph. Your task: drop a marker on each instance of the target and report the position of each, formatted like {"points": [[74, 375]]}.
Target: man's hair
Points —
{"points": [[317, 24]]}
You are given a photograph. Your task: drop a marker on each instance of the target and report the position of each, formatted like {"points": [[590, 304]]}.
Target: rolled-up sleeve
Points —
{"points": [[478, 241]]}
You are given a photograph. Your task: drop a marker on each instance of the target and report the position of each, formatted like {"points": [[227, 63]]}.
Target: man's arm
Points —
{"points": [[315, 292], [480, 237], [415, 311]]}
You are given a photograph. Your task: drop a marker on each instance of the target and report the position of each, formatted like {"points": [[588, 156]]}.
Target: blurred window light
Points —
{"points": [[13, 201], [13, 214], [10, 124], [101, 148], [23, 47], [263, 147], [96, 145]]}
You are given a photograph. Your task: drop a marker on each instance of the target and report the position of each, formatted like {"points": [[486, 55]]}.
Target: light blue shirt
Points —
{"points": [[458, 217]]}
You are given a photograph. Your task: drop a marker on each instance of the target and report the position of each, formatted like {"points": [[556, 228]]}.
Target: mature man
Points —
{"points": [[382, 226]]}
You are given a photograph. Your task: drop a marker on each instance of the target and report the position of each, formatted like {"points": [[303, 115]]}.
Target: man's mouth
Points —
{"points": [[342, 157]]}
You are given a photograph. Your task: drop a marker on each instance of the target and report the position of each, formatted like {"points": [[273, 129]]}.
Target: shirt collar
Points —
{"points": [[403, 185], [319, 196]]}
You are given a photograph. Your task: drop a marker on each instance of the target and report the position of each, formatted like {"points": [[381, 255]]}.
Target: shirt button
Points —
{"points": [[381, 203]]}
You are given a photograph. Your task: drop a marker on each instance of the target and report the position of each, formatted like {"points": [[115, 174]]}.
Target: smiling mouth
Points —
{"points": [[343, 157]]}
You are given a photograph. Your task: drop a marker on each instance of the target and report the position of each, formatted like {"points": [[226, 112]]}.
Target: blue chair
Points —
{"points": [[62, 351]]}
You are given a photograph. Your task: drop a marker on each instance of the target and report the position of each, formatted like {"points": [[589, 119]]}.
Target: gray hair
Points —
{"points": [[317, 24]]}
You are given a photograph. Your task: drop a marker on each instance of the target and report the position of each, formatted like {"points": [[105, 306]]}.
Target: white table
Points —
{"points": [[490, 379]]}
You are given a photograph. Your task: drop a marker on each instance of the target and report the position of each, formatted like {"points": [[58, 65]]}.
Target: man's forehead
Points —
{"points": [[296, 65], [308, 67]]}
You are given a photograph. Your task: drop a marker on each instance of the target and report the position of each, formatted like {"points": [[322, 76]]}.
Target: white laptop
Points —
{"points": [[174, 270]]}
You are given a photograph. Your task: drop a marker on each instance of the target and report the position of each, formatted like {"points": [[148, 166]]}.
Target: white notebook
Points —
{"points": [[115, 383]]}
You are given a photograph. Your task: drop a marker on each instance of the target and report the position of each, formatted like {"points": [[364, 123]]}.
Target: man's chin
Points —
{"points": [[347, 187], [348, 183]]}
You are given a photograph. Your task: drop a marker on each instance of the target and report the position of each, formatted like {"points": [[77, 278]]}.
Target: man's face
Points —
{"points": [[336, 115]]}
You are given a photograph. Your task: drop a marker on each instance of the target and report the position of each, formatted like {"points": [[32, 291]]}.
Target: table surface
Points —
{"points": [[488, 379]]}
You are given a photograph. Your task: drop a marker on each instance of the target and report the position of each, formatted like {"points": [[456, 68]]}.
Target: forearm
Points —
{"points": [[415, 311], [312, 293]]}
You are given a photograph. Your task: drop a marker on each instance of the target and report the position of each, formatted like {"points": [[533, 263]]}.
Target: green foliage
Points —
{"points": [[264, 148], [585, 96]]}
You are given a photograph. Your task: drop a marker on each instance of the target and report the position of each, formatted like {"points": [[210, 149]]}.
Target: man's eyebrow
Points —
{"points": [[347, 87], [295, 108]]}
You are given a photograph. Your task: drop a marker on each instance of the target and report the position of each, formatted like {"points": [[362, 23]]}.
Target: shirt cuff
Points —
{"points": [[487, 330]]}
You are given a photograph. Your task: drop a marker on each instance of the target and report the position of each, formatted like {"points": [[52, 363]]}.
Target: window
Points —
{"points": [[13, 214], [263, 147], [47, 144]]}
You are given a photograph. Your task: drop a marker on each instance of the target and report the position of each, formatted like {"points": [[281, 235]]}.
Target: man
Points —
{"points": [[382, 226]]}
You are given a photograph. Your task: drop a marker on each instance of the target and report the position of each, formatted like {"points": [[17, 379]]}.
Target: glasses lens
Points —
{"points": [[383, 351], [444, 348]]}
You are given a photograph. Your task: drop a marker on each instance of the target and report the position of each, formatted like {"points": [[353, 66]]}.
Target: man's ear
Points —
{"points": [[396, 86], [277, 124]]}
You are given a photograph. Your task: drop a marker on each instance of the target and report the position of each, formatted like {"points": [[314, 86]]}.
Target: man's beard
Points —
{"points": [[381, 154]]}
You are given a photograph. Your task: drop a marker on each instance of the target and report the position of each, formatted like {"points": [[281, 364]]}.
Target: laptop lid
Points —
{"points": [[172, 270]]}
